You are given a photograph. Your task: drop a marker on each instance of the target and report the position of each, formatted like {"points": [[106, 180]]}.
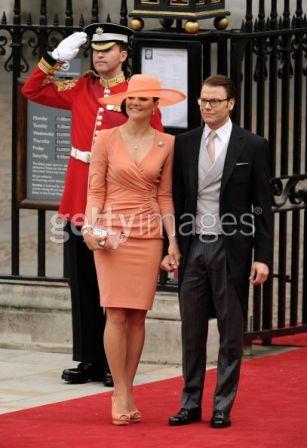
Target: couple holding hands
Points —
{"points": [[206, 190], [209, 178]]}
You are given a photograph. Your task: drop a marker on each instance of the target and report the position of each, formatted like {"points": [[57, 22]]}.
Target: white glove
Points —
{"points": [[69, 47]]}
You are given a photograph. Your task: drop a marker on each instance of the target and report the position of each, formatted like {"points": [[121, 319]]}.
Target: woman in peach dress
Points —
{"points": [[130, 203]]}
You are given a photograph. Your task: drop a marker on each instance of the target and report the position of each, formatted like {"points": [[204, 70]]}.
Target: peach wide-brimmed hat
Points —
{"points": [[148, 87]]}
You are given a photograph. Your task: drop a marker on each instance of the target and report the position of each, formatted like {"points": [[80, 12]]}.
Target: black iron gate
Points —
{"points": [[267, 59], [272, 54]]}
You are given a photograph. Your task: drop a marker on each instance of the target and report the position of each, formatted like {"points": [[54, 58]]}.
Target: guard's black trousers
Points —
{"points": [[88, 318]]}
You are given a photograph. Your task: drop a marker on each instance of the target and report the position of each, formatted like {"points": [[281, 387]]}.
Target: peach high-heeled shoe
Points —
{"points": [[118, 418], [135, 416]]}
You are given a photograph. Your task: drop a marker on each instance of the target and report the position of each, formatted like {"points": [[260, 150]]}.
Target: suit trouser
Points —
{"points": [[88, 318], [206, 278]]}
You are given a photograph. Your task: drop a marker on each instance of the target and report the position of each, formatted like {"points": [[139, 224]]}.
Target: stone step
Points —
{"points": [[37, 316]]}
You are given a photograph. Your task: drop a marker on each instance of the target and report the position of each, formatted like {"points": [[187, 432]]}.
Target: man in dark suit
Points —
{"points": [[222, 199]]}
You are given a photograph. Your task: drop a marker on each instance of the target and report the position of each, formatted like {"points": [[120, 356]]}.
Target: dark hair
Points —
{"points": [[123, 106], [222, 81], [122, 46]]}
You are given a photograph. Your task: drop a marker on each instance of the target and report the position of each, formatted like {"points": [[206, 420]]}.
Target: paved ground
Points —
{"points": [[29, 379]]}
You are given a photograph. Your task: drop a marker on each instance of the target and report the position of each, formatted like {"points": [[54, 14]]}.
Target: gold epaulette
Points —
{"points": [[65, 85]]}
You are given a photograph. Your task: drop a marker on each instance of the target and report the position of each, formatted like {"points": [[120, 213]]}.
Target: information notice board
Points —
{"points": [[48, 144], [170, 65], [178, 63], [44, 145]]}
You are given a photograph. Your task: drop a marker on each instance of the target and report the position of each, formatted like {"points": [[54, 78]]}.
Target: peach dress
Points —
{"points": [[133, 198]]}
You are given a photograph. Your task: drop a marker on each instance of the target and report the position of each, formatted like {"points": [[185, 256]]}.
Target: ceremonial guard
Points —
{"points": [[109, 44]]}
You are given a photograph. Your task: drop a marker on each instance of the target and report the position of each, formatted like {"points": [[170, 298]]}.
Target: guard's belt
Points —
{"points": [[84, 156]]}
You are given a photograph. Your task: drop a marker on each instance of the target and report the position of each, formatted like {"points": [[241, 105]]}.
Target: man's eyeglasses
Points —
{"points": [[215, 102]]}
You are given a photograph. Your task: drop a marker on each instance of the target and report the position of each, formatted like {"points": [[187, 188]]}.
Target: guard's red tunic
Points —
{"points": [[88, 117]]}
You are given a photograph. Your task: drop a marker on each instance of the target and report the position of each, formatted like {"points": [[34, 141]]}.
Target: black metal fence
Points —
{"points": [[272, 52], [267, 59]]}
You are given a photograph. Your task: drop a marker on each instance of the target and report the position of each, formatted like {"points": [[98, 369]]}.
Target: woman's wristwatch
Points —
{"points": [[100, 232]]}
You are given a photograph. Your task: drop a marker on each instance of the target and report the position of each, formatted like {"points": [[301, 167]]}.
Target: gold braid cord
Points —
{"points": [[50, 70], [65, 85]]}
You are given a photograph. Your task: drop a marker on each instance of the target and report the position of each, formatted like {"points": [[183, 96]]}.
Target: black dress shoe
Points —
{"points": [[107, 379], [220, 419], [185, 417], [87, 371]]}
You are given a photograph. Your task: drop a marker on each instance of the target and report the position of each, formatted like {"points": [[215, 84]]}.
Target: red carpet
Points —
{"points": [[270, 411], [294, 340]]}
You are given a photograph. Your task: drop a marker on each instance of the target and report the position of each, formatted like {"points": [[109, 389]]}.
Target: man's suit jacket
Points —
{"points": [[245, 197]]}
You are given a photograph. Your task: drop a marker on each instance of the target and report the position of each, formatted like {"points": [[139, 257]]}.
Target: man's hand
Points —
{"points": [[174, 253], [259, 273], [171, 261], [167, 265], [69, 47]]}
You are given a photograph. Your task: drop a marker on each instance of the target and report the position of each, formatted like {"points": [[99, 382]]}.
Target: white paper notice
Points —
{"points": [[170, 65]]}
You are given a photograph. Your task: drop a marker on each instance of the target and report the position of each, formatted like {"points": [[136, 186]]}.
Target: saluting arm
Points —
{"points": [[41, 86]]}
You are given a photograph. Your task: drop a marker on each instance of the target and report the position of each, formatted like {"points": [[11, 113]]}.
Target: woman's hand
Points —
{"points": [[171, 261], [92, 241], [174, 253]]}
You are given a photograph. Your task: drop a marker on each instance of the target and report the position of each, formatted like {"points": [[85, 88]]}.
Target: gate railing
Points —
{"points": [[273, 55], [267, 59]]}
